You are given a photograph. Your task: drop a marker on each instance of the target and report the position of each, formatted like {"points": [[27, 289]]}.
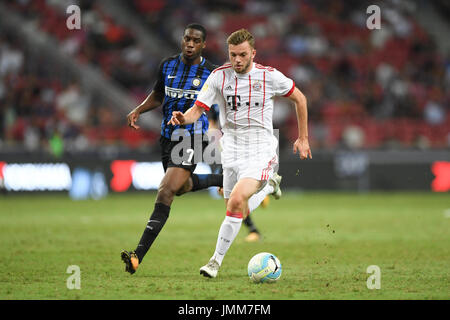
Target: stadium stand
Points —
{"points": [[369, 89], [373, 79], [39, 105]]}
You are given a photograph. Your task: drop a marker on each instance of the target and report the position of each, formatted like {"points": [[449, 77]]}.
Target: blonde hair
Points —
{"points": [[240, 36]]}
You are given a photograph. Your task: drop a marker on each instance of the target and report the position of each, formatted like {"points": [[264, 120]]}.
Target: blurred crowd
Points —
{"points": [[365, 88], [382, 88], [101, 41], [40, 110]]}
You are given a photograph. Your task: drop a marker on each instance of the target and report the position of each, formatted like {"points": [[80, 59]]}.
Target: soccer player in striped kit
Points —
{"points": [[180, 79], [244, 91]]}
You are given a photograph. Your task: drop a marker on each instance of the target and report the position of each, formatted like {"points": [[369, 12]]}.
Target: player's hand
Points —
{"points": [[177, 118], [301, 145], [132, 117]]}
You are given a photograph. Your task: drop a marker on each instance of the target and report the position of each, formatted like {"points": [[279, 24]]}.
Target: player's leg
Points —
{"points": [[173, 180], [248, 222], [254, 202], [200, 182], [177, 180], [241, 193], [270, 188], [254, 234], [236, 211]]}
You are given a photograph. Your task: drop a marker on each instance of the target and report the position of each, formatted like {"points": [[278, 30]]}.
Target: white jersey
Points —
{"points": [[246, 105]]}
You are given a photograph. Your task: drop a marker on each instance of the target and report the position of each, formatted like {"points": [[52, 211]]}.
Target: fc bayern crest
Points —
{"points": [[257, 86], [196, 82]]}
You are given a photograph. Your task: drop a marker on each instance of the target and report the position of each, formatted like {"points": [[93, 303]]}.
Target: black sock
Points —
{"points": [[249, 223], [154, 226], [203, 181]]}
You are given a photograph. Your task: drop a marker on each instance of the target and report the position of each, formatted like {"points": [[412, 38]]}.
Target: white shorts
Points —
{"points": [[258, 169]]}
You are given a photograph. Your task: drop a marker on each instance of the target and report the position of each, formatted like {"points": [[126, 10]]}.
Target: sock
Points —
{"points": [[249, 223], [154, 226], [256, 199], [203, 181], [227, 232]]}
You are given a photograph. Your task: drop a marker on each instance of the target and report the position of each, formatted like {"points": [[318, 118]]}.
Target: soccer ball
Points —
{"points": [[264, 267]]}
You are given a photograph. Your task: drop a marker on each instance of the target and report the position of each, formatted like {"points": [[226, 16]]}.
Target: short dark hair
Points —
{"points": [[198, 27]]}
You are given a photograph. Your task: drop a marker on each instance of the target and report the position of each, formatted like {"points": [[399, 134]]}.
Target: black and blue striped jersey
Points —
{"points": [[180, 84]]}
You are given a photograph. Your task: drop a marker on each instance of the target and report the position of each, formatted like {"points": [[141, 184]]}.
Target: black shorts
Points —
{"points": [[189, 151]]}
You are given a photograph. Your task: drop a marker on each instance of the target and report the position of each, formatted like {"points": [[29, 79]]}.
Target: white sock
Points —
{"points": [[256, 199], [227, 232]]}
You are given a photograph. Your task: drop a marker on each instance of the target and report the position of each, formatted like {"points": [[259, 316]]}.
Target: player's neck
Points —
{"points": [[190, 62]]}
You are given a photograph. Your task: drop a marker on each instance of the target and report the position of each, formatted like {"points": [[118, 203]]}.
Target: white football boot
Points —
{"points": [[275, 183], [210, 269]]}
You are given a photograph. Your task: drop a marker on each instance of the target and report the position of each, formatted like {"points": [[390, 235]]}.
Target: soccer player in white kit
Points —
{"points": [[244, 91]]}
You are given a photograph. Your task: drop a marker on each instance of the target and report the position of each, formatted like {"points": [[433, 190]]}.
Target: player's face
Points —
{"points": [[241, 56], [192, 44]]}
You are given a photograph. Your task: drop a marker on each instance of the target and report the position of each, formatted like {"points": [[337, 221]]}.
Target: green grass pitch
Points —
{"points": [[325, 242]]}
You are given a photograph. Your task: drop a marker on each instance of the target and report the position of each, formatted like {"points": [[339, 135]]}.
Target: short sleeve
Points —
{"points": [[283, 86], [209, 93]]}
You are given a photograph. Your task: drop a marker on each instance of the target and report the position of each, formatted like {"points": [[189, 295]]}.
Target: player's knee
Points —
{"points": [[181, 191], [165, 194], [185, 188], [236, 203]]}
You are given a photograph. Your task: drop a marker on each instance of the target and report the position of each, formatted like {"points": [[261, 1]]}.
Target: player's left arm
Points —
{"points": [[301, 145]]}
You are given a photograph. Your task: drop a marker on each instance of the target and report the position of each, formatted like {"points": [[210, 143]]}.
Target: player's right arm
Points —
{"points": [[153, 100]]}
